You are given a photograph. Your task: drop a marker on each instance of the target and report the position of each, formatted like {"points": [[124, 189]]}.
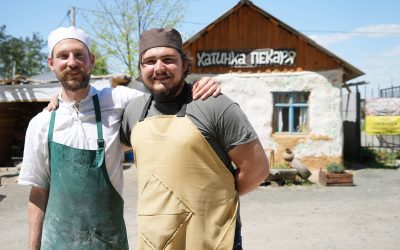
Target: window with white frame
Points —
{"points": [[291, 112]]}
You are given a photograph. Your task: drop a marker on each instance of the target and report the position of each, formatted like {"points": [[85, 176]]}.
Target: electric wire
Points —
{"points": [[301, 30], [62, 21]]}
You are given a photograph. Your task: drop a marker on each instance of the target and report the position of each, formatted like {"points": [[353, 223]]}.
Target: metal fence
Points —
{"points": [[389, 142], [390, 92]]}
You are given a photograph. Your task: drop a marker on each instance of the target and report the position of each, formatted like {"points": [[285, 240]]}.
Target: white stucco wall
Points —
{"points": [[253, 92]]}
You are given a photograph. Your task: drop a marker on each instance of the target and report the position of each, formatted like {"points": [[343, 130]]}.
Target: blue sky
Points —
{"points": [[365, 33]]}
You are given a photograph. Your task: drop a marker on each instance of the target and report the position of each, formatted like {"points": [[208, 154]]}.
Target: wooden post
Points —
{"points": [[72, 16]]}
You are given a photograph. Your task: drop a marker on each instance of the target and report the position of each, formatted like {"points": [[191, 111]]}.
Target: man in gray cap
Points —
{"points": [[72, 156], [184, 149]]}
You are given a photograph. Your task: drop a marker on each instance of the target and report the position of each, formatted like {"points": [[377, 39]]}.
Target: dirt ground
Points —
{"points": [[364, 216]]}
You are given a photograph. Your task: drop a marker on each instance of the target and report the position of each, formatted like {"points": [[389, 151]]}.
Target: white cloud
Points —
{"points": [[382, 68], [381, 64], [389, 56], [392, 52], [377, 31], [380, 30], [329, 39]]}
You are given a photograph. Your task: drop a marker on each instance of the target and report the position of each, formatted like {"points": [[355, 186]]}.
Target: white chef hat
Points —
{"points": [[62, 33]]}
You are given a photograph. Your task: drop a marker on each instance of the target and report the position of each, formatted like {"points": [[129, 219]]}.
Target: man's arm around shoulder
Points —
{"points": [[36, 209], [252, 164]]}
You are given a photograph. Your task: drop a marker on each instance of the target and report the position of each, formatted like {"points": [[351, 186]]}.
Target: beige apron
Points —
{"points": [[187, 197]]}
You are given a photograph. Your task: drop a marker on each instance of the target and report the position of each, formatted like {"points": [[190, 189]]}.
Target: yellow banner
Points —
{"points": [[383, 125]]}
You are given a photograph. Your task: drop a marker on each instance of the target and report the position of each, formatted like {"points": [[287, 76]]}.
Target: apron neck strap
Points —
{"points": [[100, 140], [181, 112], [186, 97], [51, 126], [146, 108]]}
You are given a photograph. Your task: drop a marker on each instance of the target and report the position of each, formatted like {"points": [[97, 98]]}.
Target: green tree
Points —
{"points": [[117, 24], [100, 68], [20, 55]]}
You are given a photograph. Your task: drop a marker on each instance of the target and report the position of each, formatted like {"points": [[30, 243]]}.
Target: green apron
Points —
{"points": [[84, 210]]}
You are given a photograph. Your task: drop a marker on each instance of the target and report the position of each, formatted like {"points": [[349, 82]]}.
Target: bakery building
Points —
{"points": [[288, 85]]}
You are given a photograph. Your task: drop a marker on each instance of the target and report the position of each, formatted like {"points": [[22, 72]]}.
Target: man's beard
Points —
{"points": [[76, 83], [167, 93]]}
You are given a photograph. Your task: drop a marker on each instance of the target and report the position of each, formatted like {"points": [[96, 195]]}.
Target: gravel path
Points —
{"points": [[365, 216]]}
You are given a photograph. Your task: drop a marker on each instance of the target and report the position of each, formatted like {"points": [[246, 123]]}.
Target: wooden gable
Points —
{"points": [[248, 28]]}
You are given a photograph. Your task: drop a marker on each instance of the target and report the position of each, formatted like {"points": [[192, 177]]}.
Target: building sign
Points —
{"points": [[254, 58], [382, 116], [382, 125]]}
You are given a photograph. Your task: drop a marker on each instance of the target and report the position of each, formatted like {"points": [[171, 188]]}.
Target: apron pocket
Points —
{"points": [[162, 215], [101, 243], [57, 235]]}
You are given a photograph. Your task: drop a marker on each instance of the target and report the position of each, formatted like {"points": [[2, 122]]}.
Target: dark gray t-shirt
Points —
{"points": [[221, 121]]}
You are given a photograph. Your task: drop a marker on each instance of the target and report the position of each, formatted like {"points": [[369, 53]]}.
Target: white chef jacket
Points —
{"points": [[76, 127]]}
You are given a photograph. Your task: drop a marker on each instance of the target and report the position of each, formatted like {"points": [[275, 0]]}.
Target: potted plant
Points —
{"points": [[335, 175]]}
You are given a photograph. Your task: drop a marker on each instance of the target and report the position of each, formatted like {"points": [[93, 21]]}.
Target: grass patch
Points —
{"points": [[281, 166], [298, 182], [374, 158]]}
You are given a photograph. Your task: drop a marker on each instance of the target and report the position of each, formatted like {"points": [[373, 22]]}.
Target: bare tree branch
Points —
{"points": [[117, 25]]}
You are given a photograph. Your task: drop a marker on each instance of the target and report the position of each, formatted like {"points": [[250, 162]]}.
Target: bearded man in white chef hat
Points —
{"points": [[73, 72], [72, 155]]}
